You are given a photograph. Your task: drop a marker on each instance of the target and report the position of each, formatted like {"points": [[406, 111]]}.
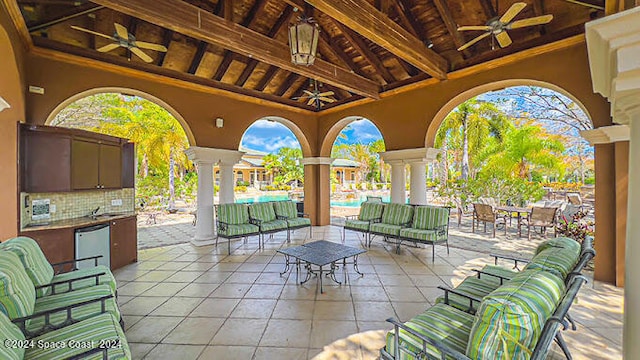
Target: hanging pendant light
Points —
{"points": [[303, 41]]}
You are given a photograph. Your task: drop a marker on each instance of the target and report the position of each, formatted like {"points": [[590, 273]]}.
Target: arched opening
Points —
{"points": [[516, 153], [357, 171], [271, 167], [164, 180]]}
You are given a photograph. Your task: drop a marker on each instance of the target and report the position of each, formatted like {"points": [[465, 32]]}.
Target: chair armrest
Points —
{"points": [[376, 220], [256, 222], [70, 282], [502, 278], [222, 225], [425, 340], [304, 215], [21, 322], [516, 260], [75, 261], [91, 353], [471, 298]]}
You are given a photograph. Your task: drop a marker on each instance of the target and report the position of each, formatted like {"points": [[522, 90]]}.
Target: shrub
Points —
{"points": [[369, 186], [240, 189], [379, 186]]}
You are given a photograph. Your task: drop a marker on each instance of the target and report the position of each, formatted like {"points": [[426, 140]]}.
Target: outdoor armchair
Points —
{"points": [[233, 222], [430, 225], [370, 212], [486, 214], [287, 211], [542, 217]]}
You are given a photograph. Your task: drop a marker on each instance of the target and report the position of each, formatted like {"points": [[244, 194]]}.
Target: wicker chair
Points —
{"points": [[485, 213], [542, 217]]}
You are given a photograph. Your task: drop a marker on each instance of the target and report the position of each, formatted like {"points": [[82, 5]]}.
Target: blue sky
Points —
{"points": [[270, 136]]}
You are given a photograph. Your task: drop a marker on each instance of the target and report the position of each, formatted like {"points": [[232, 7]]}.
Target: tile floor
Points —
{"points": [[187, 302]]}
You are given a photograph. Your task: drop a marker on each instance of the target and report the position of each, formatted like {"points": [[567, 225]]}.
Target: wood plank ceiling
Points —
{"points": [[366, 47]]}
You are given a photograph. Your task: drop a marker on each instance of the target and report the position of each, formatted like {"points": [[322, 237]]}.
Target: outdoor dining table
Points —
{"points": [[515, 209]]}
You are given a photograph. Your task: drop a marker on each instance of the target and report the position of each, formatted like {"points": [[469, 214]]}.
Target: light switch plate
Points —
{"points": [[52, 208], [116, 202]]}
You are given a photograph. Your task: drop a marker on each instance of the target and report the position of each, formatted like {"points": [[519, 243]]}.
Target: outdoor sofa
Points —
{"points": [[76, 310], [395, 217], [518, 318], [288, 211], [233, 222], [430, 225]]}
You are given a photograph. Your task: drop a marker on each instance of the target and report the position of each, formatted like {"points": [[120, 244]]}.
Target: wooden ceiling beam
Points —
{"points": [[266, 79], [275, 29], [197, 58], [194, 22], [167, 37], [406, 17], [447, 18], [488, 9], [361, 47], [369, 22], [538, 10], [73, 13], [299, 91], [287, 83]]}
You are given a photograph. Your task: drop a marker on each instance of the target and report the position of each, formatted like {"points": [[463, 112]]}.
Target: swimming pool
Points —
{"points": [[356, 202], [262, 198]]}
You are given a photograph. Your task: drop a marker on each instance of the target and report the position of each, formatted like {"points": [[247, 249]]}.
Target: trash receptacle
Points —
{"points": [[300, 207]]}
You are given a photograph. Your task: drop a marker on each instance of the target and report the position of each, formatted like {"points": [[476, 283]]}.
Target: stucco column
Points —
{"points": [[418, 183], [226, 183], [398, 191], [317, 189], [204, 159]]}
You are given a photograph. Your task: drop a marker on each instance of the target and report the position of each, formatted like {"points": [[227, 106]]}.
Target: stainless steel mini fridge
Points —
{"points": [[92, 241]]}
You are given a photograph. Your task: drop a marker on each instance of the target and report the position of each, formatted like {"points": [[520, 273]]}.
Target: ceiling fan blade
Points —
{"points": [[311, 101], [308, 92], [141, 54], [93, 32], [473, 41], [513, 11], [150, 46], [504, 39], [474, 27], [326, 93], [108, 47], [538, 20], [121, 31], [326, 99]]}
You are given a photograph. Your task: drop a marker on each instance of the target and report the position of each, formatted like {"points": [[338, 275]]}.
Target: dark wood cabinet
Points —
{"points": [[45, 162], [85, 169], [124, 242], [110, 166], [128, 165], [56, 244]]}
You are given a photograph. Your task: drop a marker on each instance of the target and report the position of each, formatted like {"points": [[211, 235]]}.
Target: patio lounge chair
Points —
{"points": [[430, 225], [41, 272], [233, 222], [485, 213], [370, 212], [542, 217], [287, 211], [263, 215], [395, 217]]}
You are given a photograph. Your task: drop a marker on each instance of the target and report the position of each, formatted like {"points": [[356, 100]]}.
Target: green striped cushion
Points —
{"points": [[357, 225], [244, 229], [17, 294], [370, 211], [35, 263], [443, 323], [556, 261], [422, 235], [298, 222], [397, 214], [429, 217], [285, 208], [92, 332], [386, 229], [568, 244], [10, 331], [510, 319], [500, 271], [233, 213], [106, 279], [70, 298], [262, 211], [473, 286], [273, 225]]}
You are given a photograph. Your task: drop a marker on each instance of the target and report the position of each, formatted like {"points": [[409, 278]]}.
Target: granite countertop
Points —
{"points": [[76, 222]]}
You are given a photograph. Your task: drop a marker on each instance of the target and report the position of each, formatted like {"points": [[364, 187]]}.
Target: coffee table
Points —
{"points": [[320, 253]]}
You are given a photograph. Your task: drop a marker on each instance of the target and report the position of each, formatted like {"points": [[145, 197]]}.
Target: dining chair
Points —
{"points": [[486, 214], [542, 217]]}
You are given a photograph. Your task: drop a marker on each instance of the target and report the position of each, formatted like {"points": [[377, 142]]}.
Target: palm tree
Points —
{"points": [[375, 148]]}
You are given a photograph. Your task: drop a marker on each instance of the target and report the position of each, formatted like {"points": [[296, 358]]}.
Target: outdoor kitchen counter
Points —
{"points": [[76, 222]]}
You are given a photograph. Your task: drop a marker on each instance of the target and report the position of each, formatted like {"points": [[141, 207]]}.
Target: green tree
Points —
{"points": [[285, 165], [375, 148]]}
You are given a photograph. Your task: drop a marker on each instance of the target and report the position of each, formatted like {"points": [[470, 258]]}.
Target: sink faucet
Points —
{"points": [[94, 213]]}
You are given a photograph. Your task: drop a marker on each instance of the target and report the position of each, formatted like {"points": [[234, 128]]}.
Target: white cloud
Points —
{"points": [[272, 144], [266, 124]]}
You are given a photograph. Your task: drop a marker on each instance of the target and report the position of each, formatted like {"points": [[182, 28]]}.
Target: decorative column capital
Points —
{"points": [[409, 156], [606, 134], [210, 155], [317, 161]]}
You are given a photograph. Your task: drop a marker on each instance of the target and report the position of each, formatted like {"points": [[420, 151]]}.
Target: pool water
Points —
{"points": [[356, 202], [262, 198]]}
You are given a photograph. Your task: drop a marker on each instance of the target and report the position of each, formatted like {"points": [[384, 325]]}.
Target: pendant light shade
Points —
{"points": [[303, 41]]}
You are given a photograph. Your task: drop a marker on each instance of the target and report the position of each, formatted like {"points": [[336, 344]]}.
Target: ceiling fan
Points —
{"points": [[122, 38], [317, 97], [498, 26]]}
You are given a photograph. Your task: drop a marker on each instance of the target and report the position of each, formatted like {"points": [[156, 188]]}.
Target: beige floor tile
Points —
{"points": [[240, 332], [334, 310], [147, 265], [164, 289], [369, 279], [213, 277], [172, 266], [264, 291], [404, 293], [215, 307], [142, 305], [126, 274], [197, 290], [152, 329], [140, 350], [124, 299], [324, 332], [130, 320], [407, 310], [426, 280], [135, 288], [198, 266], [184, 276], [295, 292], [287, 333], [194, 331], [173, 351], [332, 292], [431, 293], [252, 267], [226, 266], [223, 352], [272, 278], [395, 280], [242, 278], [177, 306], [155, 276], [388, 269], [373, 311], [368, 293], [254, 309], [234, 291], [294, 309], [280, 353], [374, 325]]}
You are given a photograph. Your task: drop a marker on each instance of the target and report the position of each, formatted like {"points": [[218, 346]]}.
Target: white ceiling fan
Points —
{"points": [[122, 38], [317, 97], [498, 26]]}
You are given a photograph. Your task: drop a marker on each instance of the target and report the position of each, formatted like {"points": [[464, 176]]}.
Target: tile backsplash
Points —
{"points": [[77, 204]]}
